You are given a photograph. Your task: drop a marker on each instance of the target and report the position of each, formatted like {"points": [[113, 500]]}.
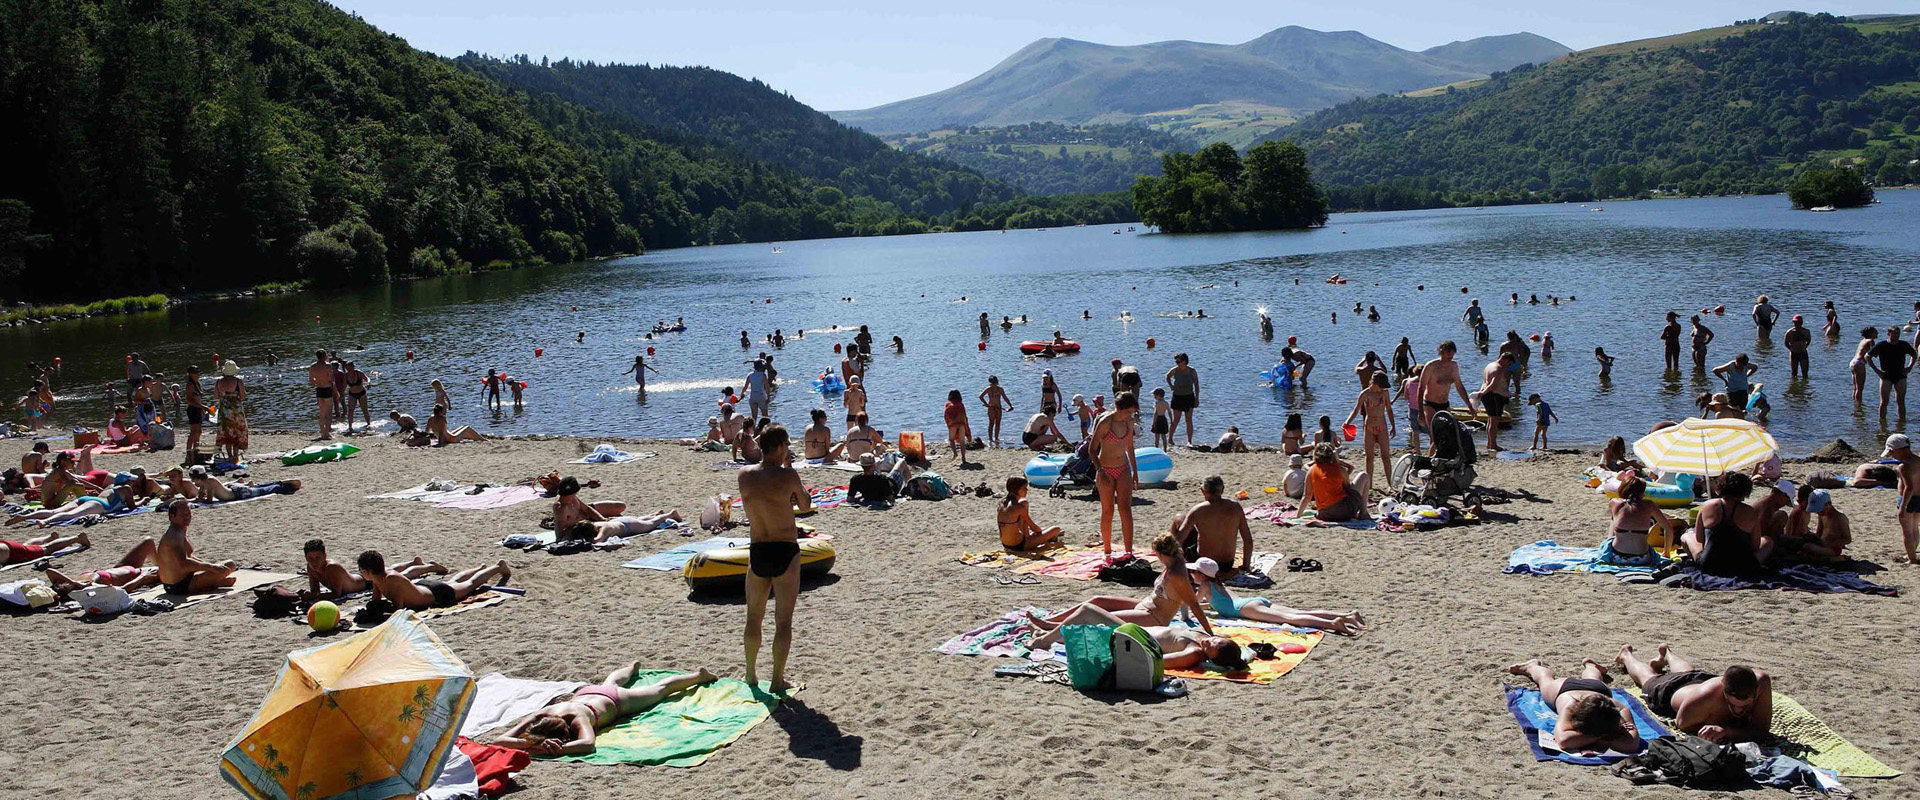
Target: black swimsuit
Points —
{"points": [[771, 559]]}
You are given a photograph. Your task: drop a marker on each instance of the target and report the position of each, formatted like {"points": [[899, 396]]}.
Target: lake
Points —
{"points": [[1627, 264]]}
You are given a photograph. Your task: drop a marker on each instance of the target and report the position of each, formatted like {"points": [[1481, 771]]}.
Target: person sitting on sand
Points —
{"points": [[1589, 719], [1633, 518], [1018, 531], [567, 726], [621, 526], [328, 580], [437, 426], [180, 572], [1226, 606], [1214, 527], [425, 593], [1614, 458], [1830, 540], [1732, 707], [405, 422], [1172, 591], [870, 486], [1334, 489], [817, 439], [1041, 431], [211, 490], [862, 439], [1230, 442], [569, 510], [12, 552], [746, 446], [1728, 541]]}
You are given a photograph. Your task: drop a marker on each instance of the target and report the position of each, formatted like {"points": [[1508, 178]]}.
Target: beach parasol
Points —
{"points": [[370, 717], [1706, 447]]}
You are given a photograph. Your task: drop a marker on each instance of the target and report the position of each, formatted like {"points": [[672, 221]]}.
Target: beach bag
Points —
{"points": [[275, 601], [717, 512], [29, 593], [913, 445], [928, 486], [1089, 655], [84, 438], [1137, 664], [1692, 763], [159, 437], [1135, 572], [103, 601]]}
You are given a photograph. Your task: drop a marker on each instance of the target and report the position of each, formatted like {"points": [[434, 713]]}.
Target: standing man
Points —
{"points": [[1438, 379], [1798, 338], [1702, 336], [1670, 335], [320, 377], [1185, 384], [771, 493], [1494, 381], [196, 413], [1892, 360], [1764, 315], [136, 375], [1900, 448]]}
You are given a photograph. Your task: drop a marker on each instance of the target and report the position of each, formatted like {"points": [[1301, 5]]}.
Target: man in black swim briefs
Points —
{"points": [[320, 377], [420, 594], [1727, 708], [1892, 360], [771, 493]]}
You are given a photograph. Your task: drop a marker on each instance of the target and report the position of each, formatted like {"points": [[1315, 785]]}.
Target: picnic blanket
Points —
{"points": [[491, 498], [1004, 637], [1547, 557], [1800, 577], [432, 491], [1799, 734], [1539, 720], [676, 558], [608, 454], [244, 580], [61, 553], [1261, 671], [1079, 565], [498, 700], [1284, 514], [994, 558], [684, 729]]}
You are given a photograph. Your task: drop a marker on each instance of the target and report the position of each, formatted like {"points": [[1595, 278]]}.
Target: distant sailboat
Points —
{"points": [[1823, 208]]}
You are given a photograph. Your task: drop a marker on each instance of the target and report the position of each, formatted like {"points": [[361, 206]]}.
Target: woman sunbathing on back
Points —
{"points": [[568, 726], [1171, 591]]}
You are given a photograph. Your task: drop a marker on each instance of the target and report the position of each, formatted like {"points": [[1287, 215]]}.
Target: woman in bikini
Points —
{"points": [[1111, 449], [357, 397], [1172, 591], [1869, 336], [568, 726], [1375, 406], [1018, 531], [1293, 438], [1832, 328], [1634, 516], [959, 433], [1050, 394]]}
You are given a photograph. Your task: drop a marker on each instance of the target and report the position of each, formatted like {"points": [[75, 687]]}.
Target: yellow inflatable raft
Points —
{"points": [[726, 570]]}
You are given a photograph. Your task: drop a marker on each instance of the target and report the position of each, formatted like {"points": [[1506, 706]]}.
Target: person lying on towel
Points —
{"points": [[1734, 706], [1590, 720], [567, 726], [420, 594]]}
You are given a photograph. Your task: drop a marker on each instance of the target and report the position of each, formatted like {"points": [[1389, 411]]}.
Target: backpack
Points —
{"points": [[159, 437], [928, 486], [275, 601], [1691, 762]]}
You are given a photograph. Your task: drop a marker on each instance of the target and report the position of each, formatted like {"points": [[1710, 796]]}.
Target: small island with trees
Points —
{"points": [[1218, 190]]}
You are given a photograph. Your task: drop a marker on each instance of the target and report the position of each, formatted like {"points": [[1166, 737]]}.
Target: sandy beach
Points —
{"points": [[142, 706]]}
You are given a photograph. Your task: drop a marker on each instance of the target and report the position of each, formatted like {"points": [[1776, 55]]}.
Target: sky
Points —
{"points": [[853, 54]]}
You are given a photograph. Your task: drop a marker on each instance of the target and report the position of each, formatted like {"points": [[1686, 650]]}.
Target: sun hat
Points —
{"points": [[1206, 566], [229, 369]]}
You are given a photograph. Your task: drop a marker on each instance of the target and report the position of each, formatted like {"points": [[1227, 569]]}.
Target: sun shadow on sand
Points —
{"points": [[716, 598], [811, 735]]}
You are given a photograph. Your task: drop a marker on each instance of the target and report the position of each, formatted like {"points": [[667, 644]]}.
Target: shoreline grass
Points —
{"points": [[116, 305]]}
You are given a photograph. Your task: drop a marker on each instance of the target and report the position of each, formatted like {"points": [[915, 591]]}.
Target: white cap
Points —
{"points": [[1898, 441], [1206, 566]]}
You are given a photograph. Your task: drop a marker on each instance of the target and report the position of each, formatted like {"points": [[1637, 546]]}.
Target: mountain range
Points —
{"points": [[1291, 69]]}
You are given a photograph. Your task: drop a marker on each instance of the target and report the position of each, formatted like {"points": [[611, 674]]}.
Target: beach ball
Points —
{"points": [[323, 616], [1293, 341]]}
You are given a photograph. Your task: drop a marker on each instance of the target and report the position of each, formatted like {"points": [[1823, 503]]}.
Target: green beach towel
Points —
{"points": [[1799, 734], [685, 729]]}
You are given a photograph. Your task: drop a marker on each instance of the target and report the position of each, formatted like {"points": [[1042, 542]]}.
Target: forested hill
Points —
{"points": [[754, 119], [206, 144], [1732, 110]]}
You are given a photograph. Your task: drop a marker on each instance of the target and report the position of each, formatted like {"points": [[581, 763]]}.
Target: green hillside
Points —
{"points": [[1732, 110], [1051, 158]]}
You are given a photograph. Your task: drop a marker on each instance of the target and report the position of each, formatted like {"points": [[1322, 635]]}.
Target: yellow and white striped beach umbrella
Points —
{"points": [[368, 718], [1706, 447]]}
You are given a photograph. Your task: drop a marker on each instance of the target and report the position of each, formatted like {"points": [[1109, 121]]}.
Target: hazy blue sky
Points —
{"points": [[849, 54]]}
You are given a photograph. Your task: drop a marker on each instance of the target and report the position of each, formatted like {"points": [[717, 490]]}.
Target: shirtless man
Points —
{"points": [[1732, 707], [1670, 337], [1892, 360], [211, 490], [1208, 530], [405, 423], [569, 510], [180, 572], [855, 397], [320, 377], [426, 593], [327, 580], [136, 374], [850, 365], [1702, 336], [818, 438], [1493, 396], [862, 439], [196, 413], [1899, 447], [1041, 430], [772, 493], [997, 402], [1798, 338], [1438, 379], [1590, 720]]}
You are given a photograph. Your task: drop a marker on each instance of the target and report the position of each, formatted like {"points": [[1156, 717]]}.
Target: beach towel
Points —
{"points": [[473, 601], [198, 504], [686, 728], [1005, 637], [1273, 512], [1800, 577], [1079, 565], [676, 558], [491, 498], [823, 497], [143, 508], [1799, 734], [1538, 723], [62, 553], [1003, 556], [1261, 671], [1546, 557], [432, 491], [499, 699], [607, 454], [244, 581], [815, 463]]}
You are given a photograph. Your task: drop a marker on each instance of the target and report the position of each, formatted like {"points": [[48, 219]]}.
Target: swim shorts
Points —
{"points": [[771, 559], [323, 392], [1493, 403], [245, 492], [18, 553], [1911, 506], [1159, 423], [196, 415], [442, 593], [1185, 402], [1027, 438], [1659, 691]]}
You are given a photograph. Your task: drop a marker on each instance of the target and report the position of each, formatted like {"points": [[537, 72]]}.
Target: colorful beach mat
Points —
{"points": [[1079, 565], [1004, 637], [1538, 723], [1547, 557], [684, 730], [1799, 734], [1261, 671]]}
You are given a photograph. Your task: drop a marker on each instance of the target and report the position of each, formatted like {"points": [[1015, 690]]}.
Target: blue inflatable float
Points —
{"points": [[1043, 470], [829, 383]]}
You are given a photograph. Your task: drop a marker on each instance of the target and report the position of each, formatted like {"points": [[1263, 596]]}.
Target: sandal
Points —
{"points": [[1263, 650], [1296, 564], [1311, 566]]}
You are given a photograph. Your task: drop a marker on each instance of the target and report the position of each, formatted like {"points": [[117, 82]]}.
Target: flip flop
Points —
{"points": [[1296, 564], [1311, 566]]}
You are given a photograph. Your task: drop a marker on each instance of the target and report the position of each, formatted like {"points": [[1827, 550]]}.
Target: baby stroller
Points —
{"points": [[1078, 471], [1431, 480]]}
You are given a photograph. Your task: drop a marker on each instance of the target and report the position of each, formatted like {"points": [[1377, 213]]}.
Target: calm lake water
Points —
{"points": [[1627, 265]]}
